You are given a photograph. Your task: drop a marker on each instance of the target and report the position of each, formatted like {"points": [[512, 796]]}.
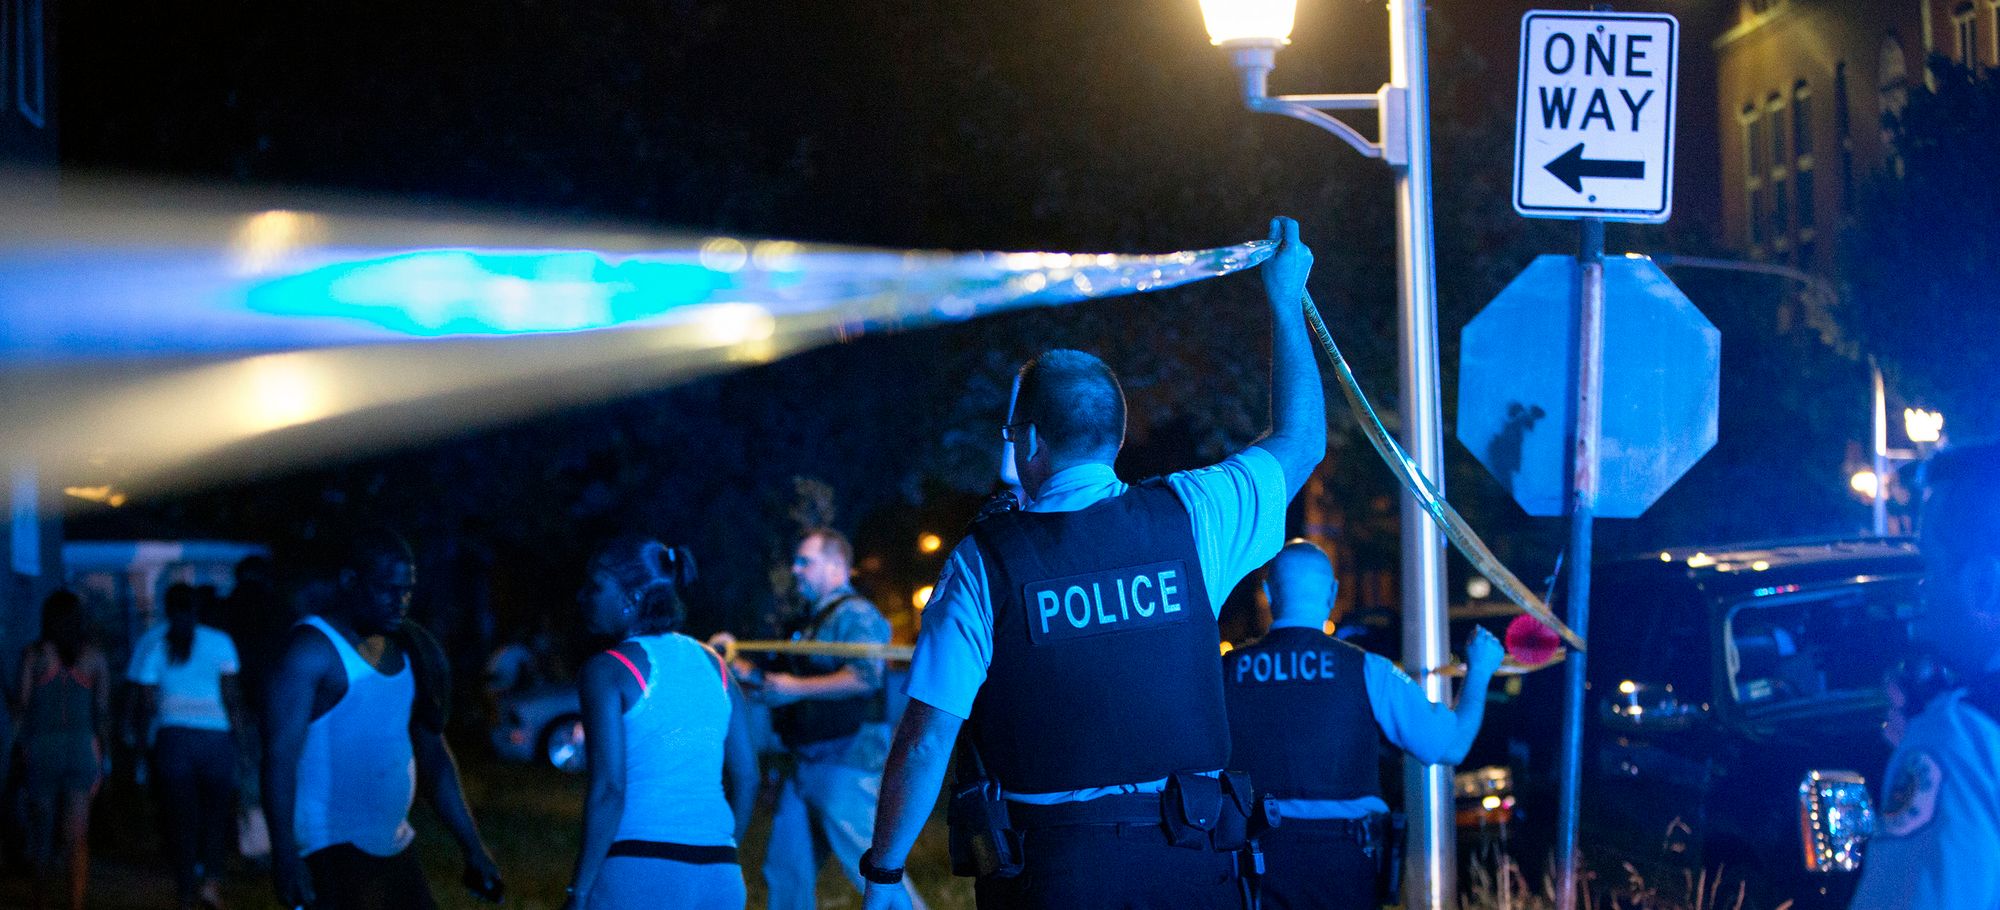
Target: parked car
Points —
{"points": [[1734, 714], [541, 725]]}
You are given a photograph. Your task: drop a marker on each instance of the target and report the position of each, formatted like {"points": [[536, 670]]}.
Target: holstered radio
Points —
{"points": [[982, 839]]}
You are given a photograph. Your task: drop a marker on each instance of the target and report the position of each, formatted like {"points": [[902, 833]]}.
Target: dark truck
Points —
{"points": [[1733, 719]]}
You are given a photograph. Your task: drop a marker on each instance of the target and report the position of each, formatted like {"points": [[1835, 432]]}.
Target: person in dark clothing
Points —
{"points": [[1306, 712], [354, 729], [1074, 641], [63, 700], [190, 705]]}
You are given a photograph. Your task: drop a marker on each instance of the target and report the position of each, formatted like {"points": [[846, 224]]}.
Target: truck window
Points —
{"points": [[1788, 649]]}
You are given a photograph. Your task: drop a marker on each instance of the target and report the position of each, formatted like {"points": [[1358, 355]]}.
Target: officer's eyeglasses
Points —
{"points": [[1011, 432]]}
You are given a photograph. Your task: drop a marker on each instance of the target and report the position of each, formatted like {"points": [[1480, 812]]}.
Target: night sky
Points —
{"points": [[1023, 126]]}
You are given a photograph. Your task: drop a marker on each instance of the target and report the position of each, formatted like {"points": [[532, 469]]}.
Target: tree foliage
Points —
{"points": [[1922, 251]]}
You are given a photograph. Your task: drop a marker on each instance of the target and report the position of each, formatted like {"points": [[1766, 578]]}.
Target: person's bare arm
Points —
{"points": [[98, 669], [847, 682], [604, 799], [1298, 400], [437, 777], [739, 763], [288, 705], [918, 759], [25, 686]]}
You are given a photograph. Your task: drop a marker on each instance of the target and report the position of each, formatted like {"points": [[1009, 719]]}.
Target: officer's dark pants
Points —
{"points": [[1113, 867], [1316, 870]]}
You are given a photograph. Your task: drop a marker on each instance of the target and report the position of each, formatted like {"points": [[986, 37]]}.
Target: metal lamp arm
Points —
{"points": [[1311, 114], [1254, 61]]}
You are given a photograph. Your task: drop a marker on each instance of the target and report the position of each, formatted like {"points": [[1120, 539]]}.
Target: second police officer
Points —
{"points": [[1304, 711], [1079, 639]]}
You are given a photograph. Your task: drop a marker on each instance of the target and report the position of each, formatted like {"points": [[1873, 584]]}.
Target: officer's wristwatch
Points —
{"points": [[877, 874]]}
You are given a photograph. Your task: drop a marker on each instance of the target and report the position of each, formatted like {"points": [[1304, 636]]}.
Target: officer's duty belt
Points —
{"points": [[1124, 809]]}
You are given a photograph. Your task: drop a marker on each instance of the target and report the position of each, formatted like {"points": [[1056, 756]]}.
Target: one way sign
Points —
{"points": [[1594, 124]]}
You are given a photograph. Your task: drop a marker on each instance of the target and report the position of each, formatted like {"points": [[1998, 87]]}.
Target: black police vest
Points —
{"points": [[1299, 716], [1104, 647], [809, 721]]}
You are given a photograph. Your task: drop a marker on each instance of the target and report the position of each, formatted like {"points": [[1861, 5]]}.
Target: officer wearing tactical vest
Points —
{"points": [[829, 714], [1939, 828], [1079, 638], [1304, 711]]}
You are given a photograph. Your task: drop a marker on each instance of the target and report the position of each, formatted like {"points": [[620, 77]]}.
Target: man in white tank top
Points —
{"points": [[349, 742]]}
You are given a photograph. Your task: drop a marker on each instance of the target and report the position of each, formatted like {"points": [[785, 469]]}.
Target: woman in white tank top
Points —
{"points": [[663, 734]]}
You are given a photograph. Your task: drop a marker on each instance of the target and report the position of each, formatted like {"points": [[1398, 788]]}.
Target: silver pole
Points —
{"points": [[1430, 877], [1879, 445], [1586, 412]]}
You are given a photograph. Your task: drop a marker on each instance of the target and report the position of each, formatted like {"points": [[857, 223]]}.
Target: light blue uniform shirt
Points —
{"points": [[1411, 721], [1237, 508], [1937, 837]]}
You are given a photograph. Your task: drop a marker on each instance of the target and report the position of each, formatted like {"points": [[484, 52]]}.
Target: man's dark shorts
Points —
{"points": [[345, 877]]}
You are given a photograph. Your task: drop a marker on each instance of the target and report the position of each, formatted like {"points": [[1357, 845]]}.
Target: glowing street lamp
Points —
{"points": [[1253, 31], [1923, 427], [1233, 22]]}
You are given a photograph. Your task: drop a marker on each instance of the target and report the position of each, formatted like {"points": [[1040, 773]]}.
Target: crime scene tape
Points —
{"points": [[1461, 535], [848, 649], [1455, 529], [1508, 667]]}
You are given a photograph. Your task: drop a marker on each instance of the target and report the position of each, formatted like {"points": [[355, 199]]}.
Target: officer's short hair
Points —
{"points": [[1074, 401], [1969, 478], [830, 539]]}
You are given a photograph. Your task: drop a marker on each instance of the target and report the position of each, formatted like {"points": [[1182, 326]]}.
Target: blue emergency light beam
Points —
{"points": [[151, 332]]}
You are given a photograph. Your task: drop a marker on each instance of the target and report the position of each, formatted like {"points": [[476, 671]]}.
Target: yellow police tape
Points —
{"points": [[847, 649], [1455, 529], [1507, 667]]}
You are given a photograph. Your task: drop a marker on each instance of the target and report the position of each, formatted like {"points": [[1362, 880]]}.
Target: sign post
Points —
{"points": [[1594, 140], [1587, 386]]}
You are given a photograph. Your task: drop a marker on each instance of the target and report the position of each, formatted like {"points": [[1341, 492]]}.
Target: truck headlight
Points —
{"points": [[1835, 819]]}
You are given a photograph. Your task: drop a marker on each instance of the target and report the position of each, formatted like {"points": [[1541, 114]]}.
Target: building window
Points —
{"points": [[30, 70], [1802, 138], [1802, 166], [1993, 42], [1892, 76], [1803, 185], [1780, 170], [1966, 26], [1774, 108], [1754, 171]]}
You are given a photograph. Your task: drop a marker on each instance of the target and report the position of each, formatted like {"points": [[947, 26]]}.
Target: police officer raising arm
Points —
{"points": [[1078, 637], [1304, 709], [1939, 829]]}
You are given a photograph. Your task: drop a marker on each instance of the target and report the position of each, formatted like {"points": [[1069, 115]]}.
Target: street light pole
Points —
{"points": [[1426, 787], [1253, 30]]}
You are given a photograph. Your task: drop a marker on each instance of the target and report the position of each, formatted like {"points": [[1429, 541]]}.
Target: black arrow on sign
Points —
{"points": [[1571, 167]]}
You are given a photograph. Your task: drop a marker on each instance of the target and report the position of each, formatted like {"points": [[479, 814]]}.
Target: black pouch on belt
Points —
{"points": [[1243, 816], [1190, 809], [982, 840]]}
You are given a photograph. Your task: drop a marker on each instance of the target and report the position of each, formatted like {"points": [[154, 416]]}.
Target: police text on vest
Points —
{"points": [[1262, 667], [1101, 603]]}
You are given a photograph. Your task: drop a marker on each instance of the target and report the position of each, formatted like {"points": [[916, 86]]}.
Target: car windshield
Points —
{"points": [[1789, 648]]}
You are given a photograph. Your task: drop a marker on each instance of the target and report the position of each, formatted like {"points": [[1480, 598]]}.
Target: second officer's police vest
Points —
{"points": [[1104, 647], [1299, 716]]}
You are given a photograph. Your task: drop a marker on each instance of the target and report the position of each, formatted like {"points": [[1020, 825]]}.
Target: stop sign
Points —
{"points": [[1662, 375]]}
